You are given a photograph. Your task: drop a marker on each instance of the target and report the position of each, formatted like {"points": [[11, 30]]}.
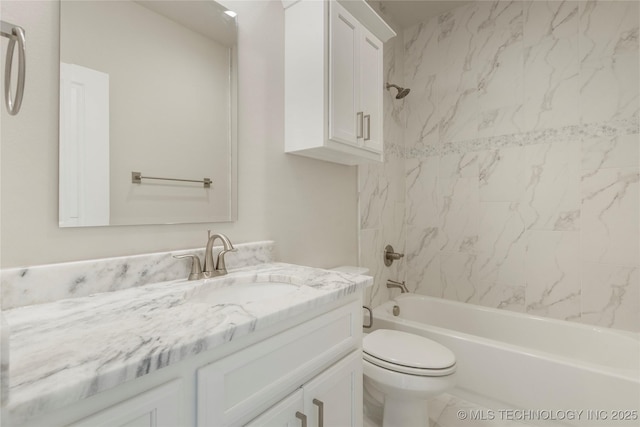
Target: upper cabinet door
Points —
{"points": [[371, 89], [334, 80], [344, 121]]}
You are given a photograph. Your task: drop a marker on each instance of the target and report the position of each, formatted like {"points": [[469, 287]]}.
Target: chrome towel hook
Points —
{"points": [[15, 34]]}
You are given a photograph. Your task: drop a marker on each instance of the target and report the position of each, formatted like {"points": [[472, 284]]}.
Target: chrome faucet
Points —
{"points": [[219, 268], [399, 285], [211, 269]]}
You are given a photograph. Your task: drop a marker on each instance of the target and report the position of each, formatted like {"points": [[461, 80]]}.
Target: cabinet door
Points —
{"points": [[345, 123], [334, 398], [154, 408], [371, 81], [286, 413], [233, 390]]}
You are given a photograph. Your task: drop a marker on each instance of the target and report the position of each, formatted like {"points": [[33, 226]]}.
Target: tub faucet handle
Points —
{"points": [[390, 255]]}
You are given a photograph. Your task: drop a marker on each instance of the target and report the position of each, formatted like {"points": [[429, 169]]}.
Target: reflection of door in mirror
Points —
{"points": [[146, 86], [84, 146]]}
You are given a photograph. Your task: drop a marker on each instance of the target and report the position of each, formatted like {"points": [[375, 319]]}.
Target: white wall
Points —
{"points": [[307, 206]]}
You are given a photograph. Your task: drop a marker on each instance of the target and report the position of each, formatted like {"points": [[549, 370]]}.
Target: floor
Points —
{"points": [[451, 411]]}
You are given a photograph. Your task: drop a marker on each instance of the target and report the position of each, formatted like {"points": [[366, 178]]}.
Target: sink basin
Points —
{"points": [[243, 293]]}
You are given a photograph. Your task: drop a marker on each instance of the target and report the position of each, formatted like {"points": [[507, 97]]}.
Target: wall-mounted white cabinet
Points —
{"points": [[334, 80]]}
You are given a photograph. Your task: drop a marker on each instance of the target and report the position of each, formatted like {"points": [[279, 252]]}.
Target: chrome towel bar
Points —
{"points": [[136, 178], [15, 34]]}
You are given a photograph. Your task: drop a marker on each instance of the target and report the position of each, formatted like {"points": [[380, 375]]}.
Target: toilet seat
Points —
{"points": [[407, 353], [407, 369]]}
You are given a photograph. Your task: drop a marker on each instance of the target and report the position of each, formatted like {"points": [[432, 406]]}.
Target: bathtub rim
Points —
{"points": [[383, 311]]}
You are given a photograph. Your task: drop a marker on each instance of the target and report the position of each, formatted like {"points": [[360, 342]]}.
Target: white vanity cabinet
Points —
{"points": [[313, 355], [289, 412], [158, 407], [336, 394], [334, 80], [323, 356], [333, 398]]}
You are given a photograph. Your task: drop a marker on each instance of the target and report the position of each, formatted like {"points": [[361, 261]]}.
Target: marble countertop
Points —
{"points": [[65, 351]]}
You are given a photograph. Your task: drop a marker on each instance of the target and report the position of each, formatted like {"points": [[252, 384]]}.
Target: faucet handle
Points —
{"points": [[196, 268], [390, 255], [221, 266]]}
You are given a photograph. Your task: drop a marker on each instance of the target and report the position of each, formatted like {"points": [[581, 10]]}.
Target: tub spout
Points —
{"points": [[399, 285]]}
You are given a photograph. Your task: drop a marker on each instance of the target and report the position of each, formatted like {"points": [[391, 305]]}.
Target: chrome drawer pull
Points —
{"points": [[302, 417], [360, 124], [368, 119], [320, 405]]}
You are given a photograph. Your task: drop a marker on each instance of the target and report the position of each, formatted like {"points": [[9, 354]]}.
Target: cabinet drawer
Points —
{"points": [[236, 388]]}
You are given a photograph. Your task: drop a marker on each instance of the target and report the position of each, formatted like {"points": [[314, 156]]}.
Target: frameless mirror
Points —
{"points": [[147, 112]]}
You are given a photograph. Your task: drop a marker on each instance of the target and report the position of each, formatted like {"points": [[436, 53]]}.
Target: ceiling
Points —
{"points": [[206, 18], [406, 13]]}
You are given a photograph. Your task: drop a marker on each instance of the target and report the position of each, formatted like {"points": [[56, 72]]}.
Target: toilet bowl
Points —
{"points": [[401, 372]]}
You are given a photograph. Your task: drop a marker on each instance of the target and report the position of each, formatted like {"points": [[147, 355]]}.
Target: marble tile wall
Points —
{"points": [[381, 188], [521, 159]]}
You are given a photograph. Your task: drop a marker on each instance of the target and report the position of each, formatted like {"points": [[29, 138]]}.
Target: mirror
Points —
{"points": [[147, 87]]}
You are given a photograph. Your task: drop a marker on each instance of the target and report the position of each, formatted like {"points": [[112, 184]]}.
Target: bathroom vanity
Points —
{"points": [[269, 342]]}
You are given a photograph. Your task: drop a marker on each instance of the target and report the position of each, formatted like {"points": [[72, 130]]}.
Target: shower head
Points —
{"points": [[402, 92]]}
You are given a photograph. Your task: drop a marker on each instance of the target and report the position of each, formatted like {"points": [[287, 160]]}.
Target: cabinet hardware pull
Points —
{"points": [[368, 119], [360, 124], [302, 417], [320, 405]]}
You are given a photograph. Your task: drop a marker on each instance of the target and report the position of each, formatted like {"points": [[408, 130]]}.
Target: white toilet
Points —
{"points": [[401, 372]]}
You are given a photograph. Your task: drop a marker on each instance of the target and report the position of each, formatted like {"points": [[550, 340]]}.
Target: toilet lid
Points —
{"points": [[407, 350]]}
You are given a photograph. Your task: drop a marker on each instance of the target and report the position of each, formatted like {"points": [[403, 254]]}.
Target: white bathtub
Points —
{"points": [[510, 360]]}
